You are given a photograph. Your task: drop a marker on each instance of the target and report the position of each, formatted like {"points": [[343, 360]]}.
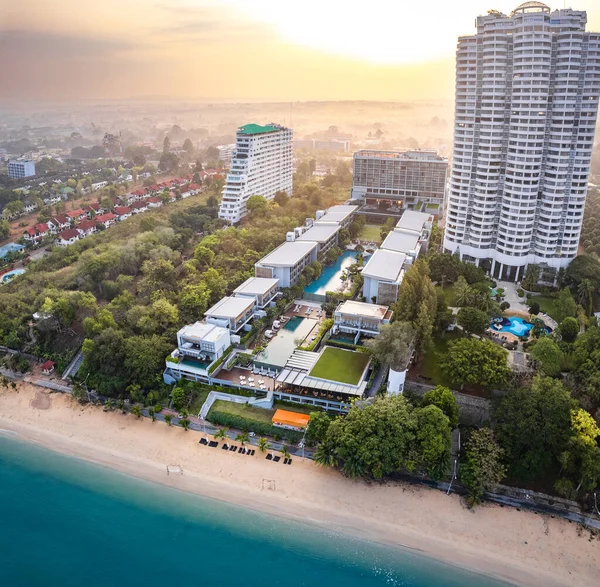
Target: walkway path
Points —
{"points": [[510, 296]]}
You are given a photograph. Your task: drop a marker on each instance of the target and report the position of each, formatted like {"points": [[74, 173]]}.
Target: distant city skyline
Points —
{"points": [[231, 49]]}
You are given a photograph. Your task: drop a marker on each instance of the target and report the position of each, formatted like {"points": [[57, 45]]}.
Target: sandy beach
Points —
{"points": [[519, 547]]}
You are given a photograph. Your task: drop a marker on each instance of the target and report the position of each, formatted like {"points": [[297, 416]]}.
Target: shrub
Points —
{"points": [[520, 292], [261, 428], [534, 308], [504, 306]]}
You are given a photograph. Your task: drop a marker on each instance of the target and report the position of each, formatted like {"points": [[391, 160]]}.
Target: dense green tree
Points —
{"points": [[585, 295], [472, 361], [472, 320], [569, 329], [586, 362], [444, 267], [394, 345], [445, 400], [144, 358], [533, 426], [565, 304], [472, 273], [257, 206], [281, 198], [534, 308], [317, 427], [4, 229], [581, 268], [483, 467], [547, 356], [462, 292], [387, 227], [429, 452], [531, 278]]}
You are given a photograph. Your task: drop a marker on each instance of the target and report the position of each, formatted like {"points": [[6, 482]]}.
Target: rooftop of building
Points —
{"points": [[401, 241], [385, 265], [288, 254], [257, 129], [230, 307], [412, 220], [364, 309], [319, 233], [410, 155], [256, 286], [337, 214], [202, 331]]}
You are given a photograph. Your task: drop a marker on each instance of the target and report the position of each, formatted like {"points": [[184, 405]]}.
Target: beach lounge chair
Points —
{"points": [[289, 461], [276, 459], [241, 449], [269, 457], [233, 448], [203, 441], [285, 461], [225, 447], [213, 444]]}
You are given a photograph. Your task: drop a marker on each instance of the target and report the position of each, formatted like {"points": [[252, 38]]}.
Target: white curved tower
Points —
{"points": [[527, 89]]}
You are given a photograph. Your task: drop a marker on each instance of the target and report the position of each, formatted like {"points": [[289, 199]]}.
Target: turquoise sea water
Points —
{"points": [[70, 523]]}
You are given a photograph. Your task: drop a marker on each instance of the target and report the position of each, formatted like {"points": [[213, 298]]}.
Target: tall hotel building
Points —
{"points": [[261, 165], [527, 88], [403, 179]]}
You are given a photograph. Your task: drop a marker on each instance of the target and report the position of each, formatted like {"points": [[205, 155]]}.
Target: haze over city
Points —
{"points": [[236, 49]]}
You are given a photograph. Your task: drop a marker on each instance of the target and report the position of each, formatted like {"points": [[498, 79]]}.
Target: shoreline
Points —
{"points": [[518, 547]]}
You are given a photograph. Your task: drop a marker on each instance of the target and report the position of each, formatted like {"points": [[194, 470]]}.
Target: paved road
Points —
{"points": [[377, 381]]}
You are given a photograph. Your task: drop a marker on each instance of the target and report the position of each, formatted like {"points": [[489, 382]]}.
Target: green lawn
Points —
{"points": [[429, 366], [448, 292], [244, 410], [547, 305], [371, 233], [301, 409], [340, 365], [198, 401]]}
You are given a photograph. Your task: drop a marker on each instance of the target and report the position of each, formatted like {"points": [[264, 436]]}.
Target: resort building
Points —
{"points": [[260, 165], [330, 379], [527, 90], [325, 235], [403, 179], [262, 289], [360, 319], [67, 237], [411, 235], [20, 169], [383, 275], [231, 312], [290, 420], [287, 262], [199, 347], [341, 215]]}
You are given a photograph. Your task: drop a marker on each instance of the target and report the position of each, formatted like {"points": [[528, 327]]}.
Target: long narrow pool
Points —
{"points": [[330, 280]]}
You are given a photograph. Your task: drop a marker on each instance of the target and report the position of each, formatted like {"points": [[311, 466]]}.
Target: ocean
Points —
{"points": [[65, 522]]}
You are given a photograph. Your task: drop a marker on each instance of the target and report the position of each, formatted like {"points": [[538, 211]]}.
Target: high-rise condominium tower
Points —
{"points": [[527, 88], [261, 165]]}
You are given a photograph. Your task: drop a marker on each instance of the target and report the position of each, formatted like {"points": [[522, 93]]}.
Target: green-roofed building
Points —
{"points": [[261, 165]]}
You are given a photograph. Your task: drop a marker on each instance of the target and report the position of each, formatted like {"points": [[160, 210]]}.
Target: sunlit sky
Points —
{"points": [[237, 49]]}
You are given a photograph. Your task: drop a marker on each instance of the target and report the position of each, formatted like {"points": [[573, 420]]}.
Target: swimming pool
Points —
{"points": [[515, 325], [330, 280], [280, 349], [11, 275]]}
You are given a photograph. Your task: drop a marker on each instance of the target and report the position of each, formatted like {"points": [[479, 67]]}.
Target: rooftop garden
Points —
{"points": [[341, 365]]}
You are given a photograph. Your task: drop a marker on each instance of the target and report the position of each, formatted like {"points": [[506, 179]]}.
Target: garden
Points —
{"points": [[341, 365]]}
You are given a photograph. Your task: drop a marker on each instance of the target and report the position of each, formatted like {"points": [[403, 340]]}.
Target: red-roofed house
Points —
{"points": [[154, 202], [48, 367], [36, 233], [107, 219], [76, 215], [95, 208], [57, 223], [122, 212], [138, 207], [67, 237], [86, 228]]}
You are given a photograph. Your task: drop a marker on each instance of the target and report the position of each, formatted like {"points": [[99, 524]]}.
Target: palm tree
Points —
{"points": [[285, 452], [121, 405], [585, 295], [151, 413], [168, 418], [184, 423], [221, 433], [325, 456], [263, 445], [135, 410], [242, 438], [184, 413]]}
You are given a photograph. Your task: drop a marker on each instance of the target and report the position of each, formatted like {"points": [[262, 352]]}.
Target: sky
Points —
{"points": [[280, 50]]}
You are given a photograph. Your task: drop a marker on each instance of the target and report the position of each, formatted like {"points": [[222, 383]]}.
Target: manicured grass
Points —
{"points": [[547, 305], [199, 400], [340, 365], [429, 366], [371, 233], [244, 410]]}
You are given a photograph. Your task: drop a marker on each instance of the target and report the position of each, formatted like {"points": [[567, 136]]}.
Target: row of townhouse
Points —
{"points": [[77, 224]]}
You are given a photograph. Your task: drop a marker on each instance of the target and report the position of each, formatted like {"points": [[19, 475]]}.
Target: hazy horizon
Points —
{"points": [[235, 51]]}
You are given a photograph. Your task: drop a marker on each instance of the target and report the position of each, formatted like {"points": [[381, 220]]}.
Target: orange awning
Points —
{"points": [[285, 418]]}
